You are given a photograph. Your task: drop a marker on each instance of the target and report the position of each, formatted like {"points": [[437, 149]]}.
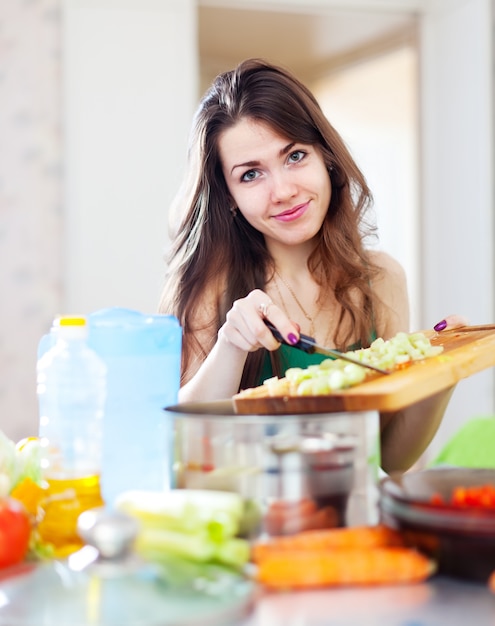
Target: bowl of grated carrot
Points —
{"points": [[447, 513]]}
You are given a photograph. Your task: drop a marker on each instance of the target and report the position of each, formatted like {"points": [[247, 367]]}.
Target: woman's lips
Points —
{"points": [[292, 214]]}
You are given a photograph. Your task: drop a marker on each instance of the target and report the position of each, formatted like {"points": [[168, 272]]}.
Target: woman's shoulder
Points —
{"points": [[385, 262], [390, 287]]}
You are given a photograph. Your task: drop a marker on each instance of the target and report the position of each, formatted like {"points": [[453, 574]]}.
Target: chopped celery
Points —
{"points": [[198, 525], [153, 543], [197, 546], [233, 552], [335, 374], [187, 510]]}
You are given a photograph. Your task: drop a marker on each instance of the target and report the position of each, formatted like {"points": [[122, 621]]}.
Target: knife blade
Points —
{"points": [[309, 345]]}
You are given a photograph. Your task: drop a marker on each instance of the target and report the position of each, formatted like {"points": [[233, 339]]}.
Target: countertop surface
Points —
{"points": [[441, 601]]}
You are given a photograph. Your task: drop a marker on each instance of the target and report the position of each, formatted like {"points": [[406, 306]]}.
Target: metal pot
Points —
{"points": [[294, 472]]}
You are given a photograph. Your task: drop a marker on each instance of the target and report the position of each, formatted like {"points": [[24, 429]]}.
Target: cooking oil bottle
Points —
{"points": [[71, 388]]}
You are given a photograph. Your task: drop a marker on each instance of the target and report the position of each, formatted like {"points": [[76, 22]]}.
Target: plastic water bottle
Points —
{"points": [[71, 387]]}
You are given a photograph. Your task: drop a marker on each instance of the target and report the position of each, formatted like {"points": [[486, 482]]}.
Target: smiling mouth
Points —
{"points": [[293, 212]]}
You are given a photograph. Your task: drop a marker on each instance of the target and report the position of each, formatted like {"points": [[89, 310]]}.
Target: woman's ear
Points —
{"points": [[231, 203]]}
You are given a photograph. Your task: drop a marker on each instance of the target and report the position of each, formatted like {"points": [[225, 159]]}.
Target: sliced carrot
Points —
{"points": [[30, 494], [296, 569], [359, 537]]}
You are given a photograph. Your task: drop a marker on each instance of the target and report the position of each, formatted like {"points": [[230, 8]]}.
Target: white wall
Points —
{"points": [[30, 200], [96, 100], [130, 75], [457, 273]]}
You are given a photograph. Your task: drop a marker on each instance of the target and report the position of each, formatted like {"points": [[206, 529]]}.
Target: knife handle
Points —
{"points": [[305, 343]]}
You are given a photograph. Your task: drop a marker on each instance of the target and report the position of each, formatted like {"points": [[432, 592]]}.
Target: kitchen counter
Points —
{"points": [[438, 602], [59, 597]]}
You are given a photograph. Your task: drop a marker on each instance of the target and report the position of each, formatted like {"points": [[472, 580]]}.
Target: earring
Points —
{"points": [[233, 210]]}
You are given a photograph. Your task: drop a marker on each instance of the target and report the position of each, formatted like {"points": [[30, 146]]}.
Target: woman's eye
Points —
{"points": [[249, 175], [298, 155]]}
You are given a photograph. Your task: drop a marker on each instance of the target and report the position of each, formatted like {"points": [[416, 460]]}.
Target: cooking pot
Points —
{"points": [[294, 472]]}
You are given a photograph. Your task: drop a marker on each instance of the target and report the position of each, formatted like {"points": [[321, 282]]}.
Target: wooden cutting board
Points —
{"points": [[464, 354]]}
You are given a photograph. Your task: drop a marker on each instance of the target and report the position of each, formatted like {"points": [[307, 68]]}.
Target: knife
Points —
{"points": [[309, 345]]}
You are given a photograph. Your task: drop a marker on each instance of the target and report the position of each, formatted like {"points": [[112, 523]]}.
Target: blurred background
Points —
{"points": [[96, 101]]}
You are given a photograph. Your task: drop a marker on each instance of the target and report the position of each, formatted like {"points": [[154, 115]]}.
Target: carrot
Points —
{"points": [[491, 582], [297, 569], [358, 537]]}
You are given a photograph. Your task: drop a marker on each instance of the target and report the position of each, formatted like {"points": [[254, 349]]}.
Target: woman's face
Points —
{"points": [[282, 188]]}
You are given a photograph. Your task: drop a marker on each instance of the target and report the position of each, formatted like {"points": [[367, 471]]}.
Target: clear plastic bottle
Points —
{"points": [[71, 387]]}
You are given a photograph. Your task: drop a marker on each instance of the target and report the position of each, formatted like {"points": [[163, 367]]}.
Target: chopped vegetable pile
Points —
{"points": [[21, 481], [335, 374], [479, 496], [18, 462]]}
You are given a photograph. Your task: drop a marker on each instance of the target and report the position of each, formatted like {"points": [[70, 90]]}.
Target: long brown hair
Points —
{"points": [[210, 247]]}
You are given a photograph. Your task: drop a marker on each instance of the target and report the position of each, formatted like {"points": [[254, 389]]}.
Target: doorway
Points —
{"points": [[362, 67]]}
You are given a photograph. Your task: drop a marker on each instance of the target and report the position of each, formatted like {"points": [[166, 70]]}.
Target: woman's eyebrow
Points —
{"points": [[246, 164], [283, 151], [287, 148]]}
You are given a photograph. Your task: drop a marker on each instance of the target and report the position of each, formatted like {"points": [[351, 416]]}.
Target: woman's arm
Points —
{"points": [[217, 377], [404, 434], [416, 424]]}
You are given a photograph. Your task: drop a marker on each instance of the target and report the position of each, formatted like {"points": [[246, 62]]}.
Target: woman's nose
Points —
{"points": [[283, 186]]}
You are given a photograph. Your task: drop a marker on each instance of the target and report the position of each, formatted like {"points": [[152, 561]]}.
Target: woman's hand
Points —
{"points": [[219, 375], [450, 322], [245, 328]]}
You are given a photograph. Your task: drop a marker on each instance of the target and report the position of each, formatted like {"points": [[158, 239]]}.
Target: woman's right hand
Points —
{"points": [[245, 328], [219, 375]]}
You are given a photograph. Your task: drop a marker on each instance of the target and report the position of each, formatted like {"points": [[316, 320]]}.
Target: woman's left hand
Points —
{"points": [[451, 322]]}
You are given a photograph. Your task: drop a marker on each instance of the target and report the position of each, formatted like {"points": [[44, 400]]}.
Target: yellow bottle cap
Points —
{"points": [[72, 321]]}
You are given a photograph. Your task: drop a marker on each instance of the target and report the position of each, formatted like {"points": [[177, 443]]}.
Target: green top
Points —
{"points": [[473, 445]]}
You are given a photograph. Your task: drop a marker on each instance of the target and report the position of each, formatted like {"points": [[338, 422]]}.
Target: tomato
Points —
{"points": [[474, 496], [437, 499], [15, 532], [483, 496]]}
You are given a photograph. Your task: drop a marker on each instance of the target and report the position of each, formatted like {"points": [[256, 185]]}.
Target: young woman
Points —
{"points": [[271, 224]]}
